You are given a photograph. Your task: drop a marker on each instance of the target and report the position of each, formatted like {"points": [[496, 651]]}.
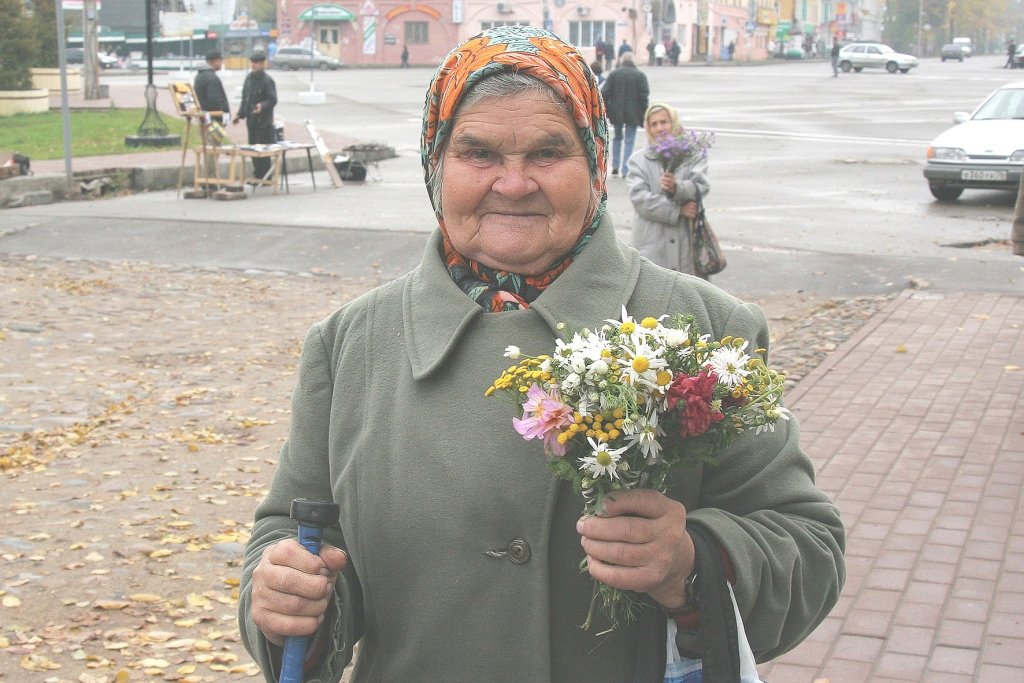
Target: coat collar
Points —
{"points": [[593, 289]]}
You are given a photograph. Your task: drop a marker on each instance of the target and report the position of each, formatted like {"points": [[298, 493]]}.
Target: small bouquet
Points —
{"points": [[618, 407], [673, 150]]}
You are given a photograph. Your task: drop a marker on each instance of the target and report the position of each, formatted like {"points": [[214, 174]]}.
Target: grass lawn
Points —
{"points": [[41, 136]]}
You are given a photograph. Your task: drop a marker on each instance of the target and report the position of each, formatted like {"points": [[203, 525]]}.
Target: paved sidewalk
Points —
{"points": [[916, 427]]}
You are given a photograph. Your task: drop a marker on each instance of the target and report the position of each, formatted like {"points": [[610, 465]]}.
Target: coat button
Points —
{"points": [[518, 551]]}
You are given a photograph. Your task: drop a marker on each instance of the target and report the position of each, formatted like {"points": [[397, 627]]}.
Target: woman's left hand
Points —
{"points": [[668, 182], [640, 543], [689, 210]]}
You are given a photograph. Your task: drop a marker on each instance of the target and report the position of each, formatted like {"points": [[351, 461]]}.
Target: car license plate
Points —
{"points": [[983, 175]]}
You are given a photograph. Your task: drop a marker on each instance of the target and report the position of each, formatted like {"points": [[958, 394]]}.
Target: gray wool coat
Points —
{"points": [[660, 233], [464, 554]]}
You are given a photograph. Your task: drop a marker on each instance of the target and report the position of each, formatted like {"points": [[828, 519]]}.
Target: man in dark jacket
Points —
{"points": [[209, 89], [625, 95], [259, 97]]}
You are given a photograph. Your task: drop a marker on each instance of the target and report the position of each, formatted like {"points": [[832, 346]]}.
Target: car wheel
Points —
{"points": [[943, 59], [324, 66], [961, 58], [858, 69], [903, 71], [845, 66], [892, 67], [943, 192]]}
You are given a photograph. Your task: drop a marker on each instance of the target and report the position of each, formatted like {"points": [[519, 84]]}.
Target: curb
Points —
{"points": [[46, 188]]}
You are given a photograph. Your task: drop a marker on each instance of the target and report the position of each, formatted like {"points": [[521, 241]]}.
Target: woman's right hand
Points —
{"points": [[291, 589], [668, 182]]}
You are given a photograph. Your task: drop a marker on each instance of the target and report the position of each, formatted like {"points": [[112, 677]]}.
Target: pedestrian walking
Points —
{"points": [[405, 56], [650, 52], [259, 97], [209, 89], [454, 554], [625, 95], [609, 54], [598, 70], [835, 58], [673, 52], [664, 199], [624, 47], [660, 53], [1011, 51]]}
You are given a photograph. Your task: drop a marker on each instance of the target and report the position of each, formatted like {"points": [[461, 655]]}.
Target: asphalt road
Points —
{"points": [[816, 185]]}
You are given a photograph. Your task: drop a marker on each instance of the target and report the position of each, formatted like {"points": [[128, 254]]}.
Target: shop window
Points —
{"points": [[484, 25], [586, 33], [416, 33]]}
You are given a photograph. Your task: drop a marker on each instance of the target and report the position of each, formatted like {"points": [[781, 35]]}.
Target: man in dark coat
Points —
{"points": [[259, 97], [209, 89], [625, 95]]}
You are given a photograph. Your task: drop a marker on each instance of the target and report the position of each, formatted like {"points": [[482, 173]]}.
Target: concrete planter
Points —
{"points": [[24, 101], [49, 78]]}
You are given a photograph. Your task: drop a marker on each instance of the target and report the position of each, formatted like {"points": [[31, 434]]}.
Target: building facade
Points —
{"points": [[374, 32]]}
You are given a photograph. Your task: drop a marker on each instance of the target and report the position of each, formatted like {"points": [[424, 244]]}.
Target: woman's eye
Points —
{"points": [[480, 154], [546, 154]]}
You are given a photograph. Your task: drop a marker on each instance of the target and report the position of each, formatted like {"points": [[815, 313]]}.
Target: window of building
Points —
{"points": [[416, 33], [586, 33], [484, 25]]}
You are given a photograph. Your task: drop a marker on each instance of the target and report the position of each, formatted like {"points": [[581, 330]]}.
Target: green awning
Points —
{"points": [[327, 12]]}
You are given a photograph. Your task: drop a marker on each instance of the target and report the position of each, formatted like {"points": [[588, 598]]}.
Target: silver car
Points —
{"points": [[858, 56], [304, 58]]}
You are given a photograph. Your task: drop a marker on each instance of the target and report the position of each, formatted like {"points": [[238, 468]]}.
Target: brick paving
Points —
{"points": [[916, 426]]}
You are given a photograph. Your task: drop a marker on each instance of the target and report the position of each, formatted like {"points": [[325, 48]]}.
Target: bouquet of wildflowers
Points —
{"points": [[672, 150], [617, 408]]}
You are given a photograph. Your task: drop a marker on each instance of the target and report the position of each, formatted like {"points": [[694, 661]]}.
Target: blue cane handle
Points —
{"points": [[312, 518]]}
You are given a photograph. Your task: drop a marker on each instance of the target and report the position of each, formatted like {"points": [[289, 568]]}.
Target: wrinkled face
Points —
{"points": [[516, 185], [659, 123]]}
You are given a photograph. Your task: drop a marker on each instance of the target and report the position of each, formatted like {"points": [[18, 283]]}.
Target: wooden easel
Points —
{"points": [[187, 105], [325, 154]]}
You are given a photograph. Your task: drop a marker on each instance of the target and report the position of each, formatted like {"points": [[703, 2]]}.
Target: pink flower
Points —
{"points": [[695, 394], [544, 416]]}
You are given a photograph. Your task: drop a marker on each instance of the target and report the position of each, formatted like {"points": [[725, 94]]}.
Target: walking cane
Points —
{"points": [[312, 517]]}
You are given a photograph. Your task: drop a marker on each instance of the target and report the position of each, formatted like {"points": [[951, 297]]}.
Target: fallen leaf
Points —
{"points": [[11, 601]]}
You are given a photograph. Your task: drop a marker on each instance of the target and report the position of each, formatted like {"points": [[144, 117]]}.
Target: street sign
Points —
{"points": [[750, 26]]}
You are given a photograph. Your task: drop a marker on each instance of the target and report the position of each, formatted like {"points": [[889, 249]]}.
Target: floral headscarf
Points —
{"points": [[541, 55], [677, 127]]}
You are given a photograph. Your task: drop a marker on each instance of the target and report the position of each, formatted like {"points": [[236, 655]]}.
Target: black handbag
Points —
{"points": [[708, 257]]}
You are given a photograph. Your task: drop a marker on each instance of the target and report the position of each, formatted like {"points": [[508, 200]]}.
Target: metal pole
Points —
{"points": [[921, 20], [64, 114], [149, 41]]}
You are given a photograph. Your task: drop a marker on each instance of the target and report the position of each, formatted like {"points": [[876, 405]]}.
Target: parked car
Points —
{"points": [[951, 51], [984, 150], [76, 55], [304, 58], [858, 56], [966, 46], [1018, 58]]}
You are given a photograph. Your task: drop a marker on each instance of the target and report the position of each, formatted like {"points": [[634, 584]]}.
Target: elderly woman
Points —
{"points": [[456, 556], [665, 202]]}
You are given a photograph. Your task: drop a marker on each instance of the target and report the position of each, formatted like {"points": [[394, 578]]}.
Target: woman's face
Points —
{"points": [[659, 123], [516, 184]]}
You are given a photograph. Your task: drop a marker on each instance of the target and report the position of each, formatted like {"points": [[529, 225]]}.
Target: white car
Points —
{"points": [[858, 56], [984, 150]]}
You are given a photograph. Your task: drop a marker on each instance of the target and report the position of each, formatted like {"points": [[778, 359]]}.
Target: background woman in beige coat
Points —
{"points": [[665, 202]]}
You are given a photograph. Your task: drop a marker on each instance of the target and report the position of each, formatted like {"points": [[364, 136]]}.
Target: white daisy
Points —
{"points": [[730, 364], [602, 461], [644, 431], [512, 352]]}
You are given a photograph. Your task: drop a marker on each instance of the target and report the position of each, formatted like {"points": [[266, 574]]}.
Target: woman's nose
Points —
{"points": [[514, 180]]}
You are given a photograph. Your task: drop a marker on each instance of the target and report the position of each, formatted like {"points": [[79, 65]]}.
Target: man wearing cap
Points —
{"points": [[209, 89], [259, 97]]}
